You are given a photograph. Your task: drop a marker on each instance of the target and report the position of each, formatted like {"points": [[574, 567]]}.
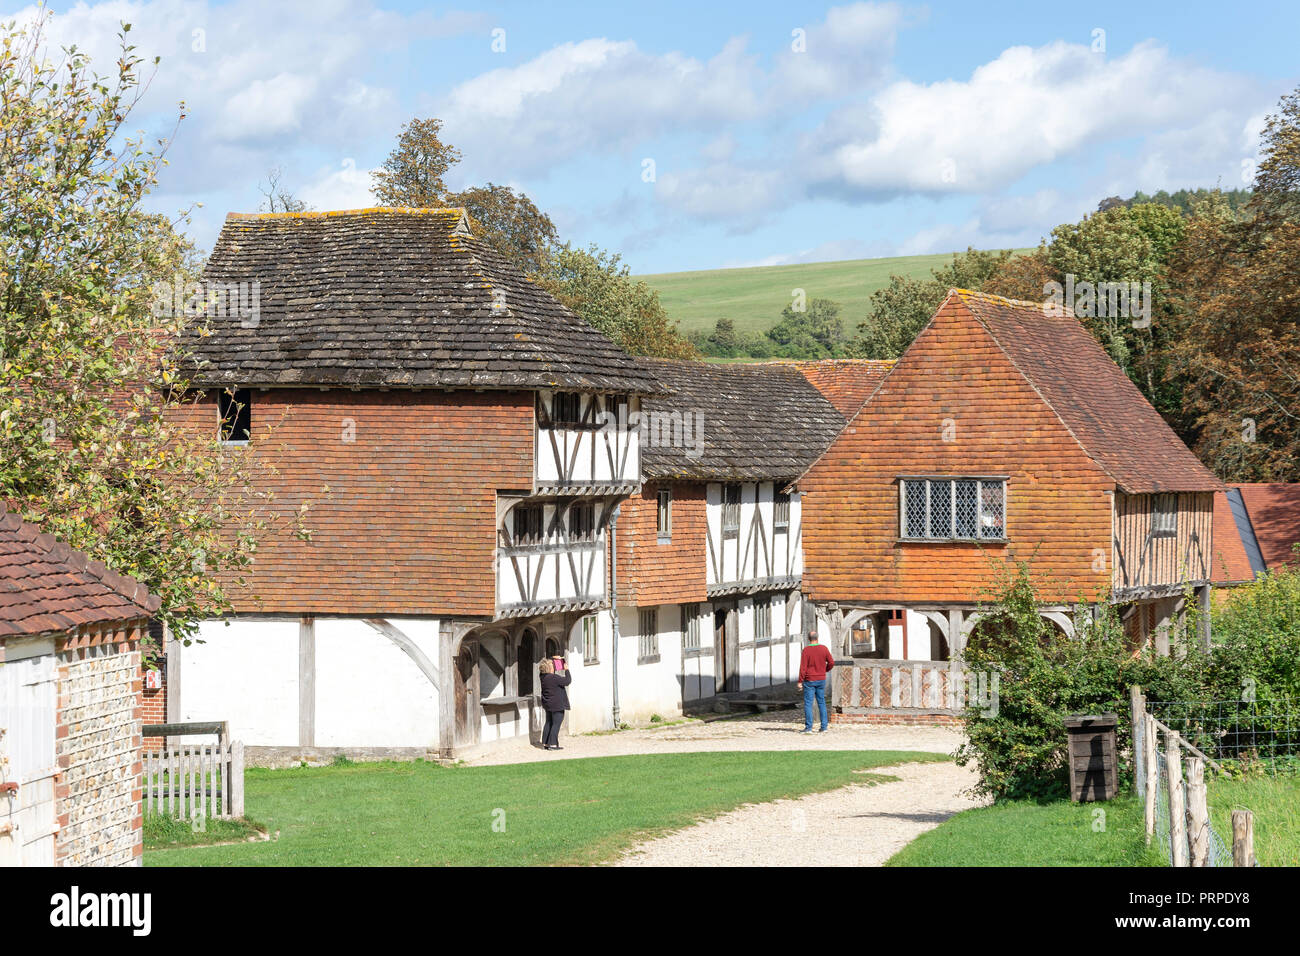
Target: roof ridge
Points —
{"points": [[460, 212], [62, 552], [1015, 303]]}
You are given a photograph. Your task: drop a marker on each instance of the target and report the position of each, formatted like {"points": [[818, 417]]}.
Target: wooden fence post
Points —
{"points": [[1198, 814], [1138, 734], [1152, 771], [237, 779], [1243, 838], [1177, 808]]}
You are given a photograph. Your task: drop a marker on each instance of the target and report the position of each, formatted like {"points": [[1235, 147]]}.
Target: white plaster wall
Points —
{"points": [[245, 673], [369, 692], [591, 695]]}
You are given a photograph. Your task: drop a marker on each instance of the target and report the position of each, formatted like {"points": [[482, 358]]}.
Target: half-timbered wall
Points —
{"points": [[600, 451], [558, 568], [1162, 542], [747, 550], [762, 658]]}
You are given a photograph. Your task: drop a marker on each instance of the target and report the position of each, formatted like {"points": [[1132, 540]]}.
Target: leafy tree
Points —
{"points": [[597, 286], [814, 332], [414, 172], [1238, 318], [902, 308], [88, 399], [509, 222]]}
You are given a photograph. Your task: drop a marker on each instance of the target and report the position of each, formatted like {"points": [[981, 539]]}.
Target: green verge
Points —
{"points": [[1275, 802], [552, 812], [1026, 833], [162, 832]]}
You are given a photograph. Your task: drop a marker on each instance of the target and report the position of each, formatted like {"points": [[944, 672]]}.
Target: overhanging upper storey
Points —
{"points": [[587, 443]]}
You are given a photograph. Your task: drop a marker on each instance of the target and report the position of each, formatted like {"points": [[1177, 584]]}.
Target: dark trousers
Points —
{"points": [[551, 732]]}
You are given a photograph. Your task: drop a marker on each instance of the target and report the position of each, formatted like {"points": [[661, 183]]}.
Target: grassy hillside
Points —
{"points": [[754, 297]]}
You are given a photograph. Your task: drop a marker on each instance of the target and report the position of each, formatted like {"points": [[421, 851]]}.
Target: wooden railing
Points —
{"points": [[194, 781], [878, 686]]}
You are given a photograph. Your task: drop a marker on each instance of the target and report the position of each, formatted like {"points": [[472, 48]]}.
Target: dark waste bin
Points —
{"points": [[1091, 747]]}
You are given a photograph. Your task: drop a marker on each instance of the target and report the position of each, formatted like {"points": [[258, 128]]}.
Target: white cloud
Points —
{"points": [[852, 47], [1027, 108], [344, 188]]}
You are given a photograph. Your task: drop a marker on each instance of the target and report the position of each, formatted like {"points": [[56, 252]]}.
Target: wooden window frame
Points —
{"points": [[241, 401], [518, 516], [647, 640], [582, 513], [731, 510], [980, 482], [590, 640], [763, 616], [664, 515], [564, 400], [781, 512], [1164, 516], [691, 633]]}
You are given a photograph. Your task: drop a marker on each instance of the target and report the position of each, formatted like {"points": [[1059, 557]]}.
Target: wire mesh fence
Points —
{"points": [[1243, 735]]}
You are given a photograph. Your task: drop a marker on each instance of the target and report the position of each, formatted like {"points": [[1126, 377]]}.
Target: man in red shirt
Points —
{"points": [[815, 664]]}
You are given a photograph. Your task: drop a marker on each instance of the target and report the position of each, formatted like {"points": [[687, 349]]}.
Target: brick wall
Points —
{"points": [[97, 743], [1058, 508], [153, 704], [400, 489], [651, 573]]}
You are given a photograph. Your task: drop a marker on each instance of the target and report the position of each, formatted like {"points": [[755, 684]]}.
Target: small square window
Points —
{"points": [[235, 413], [582, 521], [528, 524], [566, 408], [1164, 516]]}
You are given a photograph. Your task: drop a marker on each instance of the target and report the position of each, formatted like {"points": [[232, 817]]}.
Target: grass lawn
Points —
{"points": [[1024, 833], [563, 811], [1275, 801], [162, 832], [754, 297]]}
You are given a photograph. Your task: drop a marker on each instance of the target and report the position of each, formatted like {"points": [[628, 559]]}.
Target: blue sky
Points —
{"points": [[694, 135]]}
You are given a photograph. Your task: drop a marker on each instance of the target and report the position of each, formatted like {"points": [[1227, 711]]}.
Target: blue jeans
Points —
{"points": [[811, 689]]}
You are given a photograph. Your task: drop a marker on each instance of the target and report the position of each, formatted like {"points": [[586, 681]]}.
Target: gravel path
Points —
{"points": [[852, 826], [773, 731], [856, 825]]}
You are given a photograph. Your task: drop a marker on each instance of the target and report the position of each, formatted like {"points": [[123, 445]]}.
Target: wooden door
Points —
{"points": [[28, 713], [468, 721], [726, 639]]}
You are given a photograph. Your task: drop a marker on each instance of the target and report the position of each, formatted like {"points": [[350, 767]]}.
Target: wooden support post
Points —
{"points": [[1203, 618], [1152, 772], [1177, 803], [1198, 814], [1137, 736], [1243, 838], [307, 681], [237, 779]]}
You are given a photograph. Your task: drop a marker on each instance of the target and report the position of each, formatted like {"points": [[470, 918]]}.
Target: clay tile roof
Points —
{"points": [[761, 422], [1233, 541], [846, 383], [46, 587], [393, 298], [1091, 395], [1274, 511]]}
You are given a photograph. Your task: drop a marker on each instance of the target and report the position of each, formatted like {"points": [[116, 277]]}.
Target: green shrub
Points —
{"points": [[1019, 747], [1256, 650]]}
